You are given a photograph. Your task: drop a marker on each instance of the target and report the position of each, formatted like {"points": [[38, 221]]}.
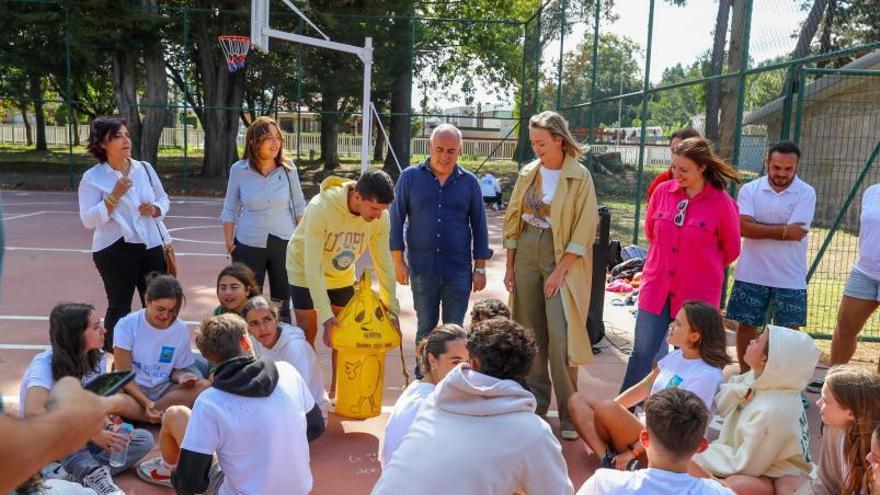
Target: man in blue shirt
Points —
{"points": [[446, 232]]}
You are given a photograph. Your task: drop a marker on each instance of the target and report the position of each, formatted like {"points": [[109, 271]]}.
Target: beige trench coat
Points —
{"points": [[574, 216]]}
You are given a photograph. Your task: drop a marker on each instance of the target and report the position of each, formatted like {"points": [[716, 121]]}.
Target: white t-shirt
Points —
{"points": [[292, 347], [39, 374], [693, 375], [260, 442], [489, 186], [772, 262], [549, 181], [154, 353], [869, 233], [402, 416], [651, 481]]}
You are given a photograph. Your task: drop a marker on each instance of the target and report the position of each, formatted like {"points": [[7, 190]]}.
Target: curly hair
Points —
{"points": [[101, 130], [503, 348], [485, 309]]}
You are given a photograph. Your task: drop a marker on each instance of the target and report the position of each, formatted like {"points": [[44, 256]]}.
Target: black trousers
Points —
{"points": [[124, 267], [271, 259]]}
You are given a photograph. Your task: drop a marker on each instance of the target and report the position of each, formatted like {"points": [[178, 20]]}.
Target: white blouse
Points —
{"points": [[126, 220]]}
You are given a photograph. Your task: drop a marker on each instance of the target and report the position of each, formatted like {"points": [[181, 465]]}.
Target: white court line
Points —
{"points": [[23, 215], [89, 251], [40, 203], [46, 318], [187, 217]]}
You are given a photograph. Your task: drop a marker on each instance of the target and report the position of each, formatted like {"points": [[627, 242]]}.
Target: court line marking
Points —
{"points": [[187, 217], [23, 215], [89, 251], [46, 318]]}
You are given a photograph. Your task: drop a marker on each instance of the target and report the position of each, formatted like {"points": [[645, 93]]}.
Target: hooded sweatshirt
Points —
{"points": [[765, 430], [259, 450], [326, 245], [476, 434]]}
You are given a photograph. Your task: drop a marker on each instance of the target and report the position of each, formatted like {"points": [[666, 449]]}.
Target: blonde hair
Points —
{"points": [[556, 125], [256, 133]]}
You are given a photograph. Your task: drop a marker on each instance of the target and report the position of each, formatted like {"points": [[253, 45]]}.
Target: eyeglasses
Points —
{"points": [[682, 211]]}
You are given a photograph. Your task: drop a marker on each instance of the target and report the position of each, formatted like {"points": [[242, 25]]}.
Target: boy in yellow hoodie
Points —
{"points": [[342, 221], [765, 433]]}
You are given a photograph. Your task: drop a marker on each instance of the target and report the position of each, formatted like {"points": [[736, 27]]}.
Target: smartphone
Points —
{"points": [[110, 383]]}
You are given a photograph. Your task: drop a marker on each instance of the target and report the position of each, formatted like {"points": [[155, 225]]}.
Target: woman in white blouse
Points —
{"points": [[123, 201], [264, 203]]}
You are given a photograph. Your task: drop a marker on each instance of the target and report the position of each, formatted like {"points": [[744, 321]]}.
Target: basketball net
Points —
{"points": [[235, 49]]}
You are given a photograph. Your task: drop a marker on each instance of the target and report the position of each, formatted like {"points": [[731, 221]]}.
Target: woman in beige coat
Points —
{"points": [[549, 229]]}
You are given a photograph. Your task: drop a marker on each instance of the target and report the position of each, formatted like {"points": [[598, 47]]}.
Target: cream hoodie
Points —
{"points": [[477, 435], [765, 430]]}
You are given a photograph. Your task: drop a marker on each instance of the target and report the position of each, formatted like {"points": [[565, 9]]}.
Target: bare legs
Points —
{"points": [[307, 319], [851, 318], [604, 425]]}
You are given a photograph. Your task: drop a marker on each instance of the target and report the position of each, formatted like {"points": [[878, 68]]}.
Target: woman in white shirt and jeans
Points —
{"points": [[122, 200], [263, 205]]}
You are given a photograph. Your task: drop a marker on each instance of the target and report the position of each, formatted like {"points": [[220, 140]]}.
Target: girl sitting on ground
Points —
{"points": [[235, 285], [77, 338], [438, 353], [282, 341], [765, 433], [850, 409], [608, 427], [155, 343]]}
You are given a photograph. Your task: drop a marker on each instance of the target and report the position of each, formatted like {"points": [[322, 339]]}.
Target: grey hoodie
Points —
{"points": [[476, 434]]}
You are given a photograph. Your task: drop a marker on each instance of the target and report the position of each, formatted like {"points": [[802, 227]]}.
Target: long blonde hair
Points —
{"points": [[857, 390], [556, 125]]}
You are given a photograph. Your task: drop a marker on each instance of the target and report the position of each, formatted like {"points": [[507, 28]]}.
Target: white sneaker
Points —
{"points": [[155, 471], [101, 482]]}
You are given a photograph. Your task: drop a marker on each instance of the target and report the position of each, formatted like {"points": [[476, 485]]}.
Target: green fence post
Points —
{"points": [[70, 115], [593, 64], [562, 6], [644, 117], [799, 112], [788, 87]]}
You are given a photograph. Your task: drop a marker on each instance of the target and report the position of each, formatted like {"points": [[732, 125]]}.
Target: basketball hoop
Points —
{"points": [[235, 49]]}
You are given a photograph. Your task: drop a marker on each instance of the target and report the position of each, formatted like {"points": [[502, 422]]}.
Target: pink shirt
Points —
{"points": [[688, 262]]}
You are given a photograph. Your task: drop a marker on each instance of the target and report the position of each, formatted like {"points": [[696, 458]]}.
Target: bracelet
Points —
{"points": [[112, 199], [784, 230]]}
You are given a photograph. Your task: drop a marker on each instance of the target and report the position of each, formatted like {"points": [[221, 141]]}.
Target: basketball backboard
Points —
{"points": [[260, 24]]}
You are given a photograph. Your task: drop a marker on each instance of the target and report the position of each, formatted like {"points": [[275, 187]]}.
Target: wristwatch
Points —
{"points": [[481, 271]]}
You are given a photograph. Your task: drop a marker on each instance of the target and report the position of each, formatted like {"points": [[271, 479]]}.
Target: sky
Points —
{"points": [[681, 35]]}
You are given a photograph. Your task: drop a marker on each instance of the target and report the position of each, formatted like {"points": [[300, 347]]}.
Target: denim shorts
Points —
{"points": [[861, 286], [749, 304]]}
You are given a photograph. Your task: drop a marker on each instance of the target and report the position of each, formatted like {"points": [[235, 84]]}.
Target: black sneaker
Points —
{"points": [[815, 386], [607, 459]]}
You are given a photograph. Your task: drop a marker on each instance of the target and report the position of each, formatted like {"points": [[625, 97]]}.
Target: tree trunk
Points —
{"points": [[379, 147], [825, 39], [731, 84], [399, 129], [528, 98], [36, 87], [713, 94], [155, 98], [808, 29], [28, 137], [329, 130], [125, 86]]}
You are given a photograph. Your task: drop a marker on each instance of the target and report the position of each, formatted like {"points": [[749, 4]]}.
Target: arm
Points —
{"points": [[753, 456], [382, 263], [122, 361], [479, 226], [231, 206], [398, 213], [191, 475], [299, 199], [638, 392], [161, 200], [649, 217], [314, 268], [729, 233], [94, 209]]}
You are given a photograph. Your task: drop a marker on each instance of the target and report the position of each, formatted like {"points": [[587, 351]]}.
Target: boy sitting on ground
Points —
{"points": [[675, 420], [257, 418]]}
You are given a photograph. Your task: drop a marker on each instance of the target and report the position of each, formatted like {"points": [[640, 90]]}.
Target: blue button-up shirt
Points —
{"points": [[447, 224]]}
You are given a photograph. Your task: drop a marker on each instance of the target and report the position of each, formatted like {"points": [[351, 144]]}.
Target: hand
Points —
{"points": [[230, 246], [329, 325], [148, 210], [187, 379], [509, 280], [122, 186], [401, 272], [794, 232], [622, 459], [554, 282], [479, 281], [85, 412], [109, 440], [153, 414]]}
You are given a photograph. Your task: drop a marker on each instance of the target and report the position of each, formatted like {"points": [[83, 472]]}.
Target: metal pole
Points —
{"points": [[619, 110], [367, 120], [644, 117], [412, 54], [185, 97], [799, 111], [69, 95], [593, 63], [299, 77], [563, 6]]}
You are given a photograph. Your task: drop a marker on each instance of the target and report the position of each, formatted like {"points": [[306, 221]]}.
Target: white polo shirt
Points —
{"points": [[772, 262]]}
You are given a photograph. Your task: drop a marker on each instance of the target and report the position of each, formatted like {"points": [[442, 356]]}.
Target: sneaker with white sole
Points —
{"points": [[567, 432], [155, 471], [101, 482]]}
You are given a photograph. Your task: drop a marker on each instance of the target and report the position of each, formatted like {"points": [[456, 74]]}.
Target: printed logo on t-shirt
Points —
{"points": [[166, 355], [674, 382], [343, 260]]}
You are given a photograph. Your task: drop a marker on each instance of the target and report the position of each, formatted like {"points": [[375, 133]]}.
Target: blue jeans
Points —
{"points": [[649, 345], [85, 460], [430, 292]]}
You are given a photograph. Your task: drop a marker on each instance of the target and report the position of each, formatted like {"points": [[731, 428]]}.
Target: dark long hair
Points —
{"points": [[705, 319], [67, 326]]}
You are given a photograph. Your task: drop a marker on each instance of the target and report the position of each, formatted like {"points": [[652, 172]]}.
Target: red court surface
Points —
{"points": [[48, 260]]}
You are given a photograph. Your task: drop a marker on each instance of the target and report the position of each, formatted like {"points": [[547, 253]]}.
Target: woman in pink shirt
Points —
{"points": [[692, 225]]}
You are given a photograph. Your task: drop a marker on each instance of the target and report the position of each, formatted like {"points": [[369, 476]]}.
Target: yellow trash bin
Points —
{"points": [[365, 333]]}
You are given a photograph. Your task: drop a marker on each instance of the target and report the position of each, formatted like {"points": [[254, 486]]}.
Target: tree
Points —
{"points": [[672, 109], [713, 90]]}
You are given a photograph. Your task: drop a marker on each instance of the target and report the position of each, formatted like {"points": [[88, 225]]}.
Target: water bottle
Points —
{"points": [[118, 457]]}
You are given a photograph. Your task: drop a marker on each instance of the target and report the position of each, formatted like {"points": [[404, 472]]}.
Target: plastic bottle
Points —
{"points": [[118, 457]]}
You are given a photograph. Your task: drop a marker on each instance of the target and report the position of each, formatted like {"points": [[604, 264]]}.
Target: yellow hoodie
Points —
{"points": [[326, 245], [765, 430]]}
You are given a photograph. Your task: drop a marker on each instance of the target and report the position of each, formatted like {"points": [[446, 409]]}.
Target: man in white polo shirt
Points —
{"points": [[776, 211]]}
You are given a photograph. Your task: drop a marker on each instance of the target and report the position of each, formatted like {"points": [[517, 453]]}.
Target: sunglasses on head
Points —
{"points": [[682, 212]]}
